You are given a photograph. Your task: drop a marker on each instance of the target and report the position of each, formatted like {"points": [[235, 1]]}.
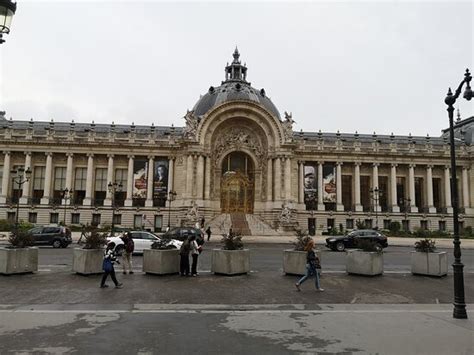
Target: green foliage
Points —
{"points": [[467, 232], [21, 239], [94, 239], [302, 239], [425, 245], [9, 227], [368, 245], [394, 227], [360, 224], [232, 241]]}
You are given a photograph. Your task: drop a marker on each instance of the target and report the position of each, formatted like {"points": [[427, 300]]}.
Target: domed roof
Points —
{"points": [[235, 87]]}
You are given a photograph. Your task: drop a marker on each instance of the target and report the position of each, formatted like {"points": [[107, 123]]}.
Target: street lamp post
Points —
{"points": [[20, 176], [459, 302], [406, 203], [113, 189], [171, 197], [7, 10], [375, 195], [67, 196]]}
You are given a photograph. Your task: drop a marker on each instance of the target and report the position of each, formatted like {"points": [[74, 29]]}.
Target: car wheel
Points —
{"points": [[378, 247], [57, 243], [340, 246]]}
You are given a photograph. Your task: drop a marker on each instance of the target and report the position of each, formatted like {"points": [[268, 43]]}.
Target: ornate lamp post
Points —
{"points": [[67, 196], [375, 195], [20, 176], [459, 302], [406, 203], [7, 10], [171, 197], [113, 189]]}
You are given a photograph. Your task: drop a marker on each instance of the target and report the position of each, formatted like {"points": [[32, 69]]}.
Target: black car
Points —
{"points": [[182, 233], [340, 243], [58, 237]]}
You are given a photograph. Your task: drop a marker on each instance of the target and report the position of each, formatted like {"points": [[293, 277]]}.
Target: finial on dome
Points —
{"points": [[236, 55], [458, 115]]}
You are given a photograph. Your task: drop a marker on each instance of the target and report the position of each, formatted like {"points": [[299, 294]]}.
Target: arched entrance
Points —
{"points": [[237, 183]]}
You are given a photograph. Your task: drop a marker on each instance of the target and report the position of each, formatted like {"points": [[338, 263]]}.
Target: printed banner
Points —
{"points": [[329, 183], [160, 181], [140, 168], [310, 186]]}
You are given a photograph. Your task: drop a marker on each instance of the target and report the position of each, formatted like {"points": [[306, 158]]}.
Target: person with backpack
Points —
{"points": [[184, 257], [108, 266], [313, 267], [129, 247]]}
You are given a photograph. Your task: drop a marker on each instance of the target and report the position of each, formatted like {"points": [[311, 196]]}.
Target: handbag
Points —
{"points": [[107, 265]]}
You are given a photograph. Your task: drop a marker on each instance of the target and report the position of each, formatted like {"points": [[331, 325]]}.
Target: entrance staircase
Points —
{"points": [[246, 224], [239, 224]]}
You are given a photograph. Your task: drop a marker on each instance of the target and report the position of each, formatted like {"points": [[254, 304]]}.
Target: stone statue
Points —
{"points": [[288, 126], [286, 213], [193, 214], [192, 123]]}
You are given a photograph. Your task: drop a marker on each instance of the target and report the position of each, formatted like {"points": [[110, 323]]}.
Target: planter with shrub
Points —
{"points": [[88, 259], [367, 260], [161, 259], [232, 259], [426, 261], [19, 257], [294, 260]]}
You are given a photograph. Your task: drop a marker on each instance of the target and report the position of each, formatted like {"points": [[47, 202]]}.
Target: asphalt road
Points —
{"points": [[264, 257]]}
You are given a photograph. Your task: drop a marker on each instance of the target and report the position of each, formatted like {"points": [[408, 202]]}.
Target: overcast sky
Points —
{"points": [[350, 66]]}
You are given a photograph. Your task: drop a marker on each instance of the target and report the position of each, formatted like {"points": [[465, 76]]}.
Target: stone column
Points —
{"points": [[321, 206], [129, 198], [393, 188], [200, 177], [69, 175], [25, 194], [288, 179], [269, 180], [339, 205], [411, 188], [5, 177], [207, 179], [189, 176], [375, 186], [429, 189], [277, 179], [465, 188], [301, 182], [149, 183], [90, 180], [170, 174], [358, 206], [47, 179], [110, 179], [447, 190]]}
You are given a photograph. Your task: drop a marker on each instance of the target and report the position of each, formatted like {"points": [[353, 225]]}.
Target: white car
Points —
{"points": [[142, 240]]}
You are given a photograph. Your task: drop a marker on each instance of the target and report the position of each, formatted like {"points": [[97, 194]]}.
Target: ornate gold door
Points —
{"points": [[236, 193]]}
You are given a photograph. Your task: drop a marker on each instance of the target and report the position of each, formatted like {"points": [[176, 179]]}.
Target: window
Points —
{"points": [[368, 223], [59, 179], [347, 192], [349, 223], [54, 217], [406, 225], [158, 223], [95, 219], [75, 218], [101, 179], [364, 192], [38, 183], [424, 225], [121, 178], [117, 219], [138, 221], [11, 217], [386, 223], [419, 192], [80, 179], [442, 226], [32, 217], [1, 173], [330, 223]]}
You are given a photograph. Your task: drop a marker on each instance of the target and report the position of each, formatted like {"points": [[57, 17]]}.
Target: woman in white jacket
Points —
{"points": [[194, 254]]}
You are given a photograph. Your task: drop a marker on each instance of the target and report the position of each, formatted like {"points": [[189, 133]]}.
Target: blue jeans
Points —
{"points": [[309, 273]]}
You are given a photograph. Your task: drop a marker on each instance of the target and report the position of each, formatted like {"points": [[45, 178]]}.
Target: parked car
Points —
{"points": [[181, 233], [142, 240], [340, 243], [57, 236]]}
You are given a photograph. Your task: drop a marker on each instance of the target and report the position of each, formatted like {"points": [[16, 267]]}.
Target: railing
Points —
{"points": [[77, 201], [159, 202], [119, 203], [138, 202], [55, 201], [13, 200], [34, 200], [99, 202]]}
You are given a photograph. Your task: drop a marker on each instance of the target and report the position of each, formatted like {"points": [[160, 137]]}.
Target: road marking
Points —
{"points": [[437, 301], [353, 300]]}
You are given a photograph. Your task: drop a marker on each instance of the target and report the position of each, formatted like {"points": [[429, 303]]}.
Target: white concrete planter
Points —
{"points": [[364, 262], [161, 262], [294, 262], [87, 261], [18, 260], [230, 262], [431, 264]]}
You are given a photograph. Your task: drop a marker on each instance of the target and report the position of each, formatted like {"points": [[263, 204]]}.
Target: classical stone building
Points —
{"points": [[236, 161]]}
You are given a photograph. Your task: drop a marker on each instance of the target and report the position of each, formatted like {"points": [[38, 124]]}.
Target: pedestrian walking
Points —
{"points": [[129, 247], [195, 250], [184, 258], [208, 231], [108, 266], [313, 265]]}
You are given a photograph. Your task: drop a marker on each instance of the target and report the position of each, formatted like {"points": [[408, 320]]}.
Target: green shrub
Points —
{"points": [[425, 245], [94, 239], [302, 239], [394, 227], [21, 239], [232, 241]]}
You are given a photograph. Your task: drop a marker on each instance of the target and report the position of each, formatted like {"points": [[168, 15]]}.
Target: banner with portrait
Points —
{"points": [[329, 183], [160, 181], [140, 171], [310, 186]]}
